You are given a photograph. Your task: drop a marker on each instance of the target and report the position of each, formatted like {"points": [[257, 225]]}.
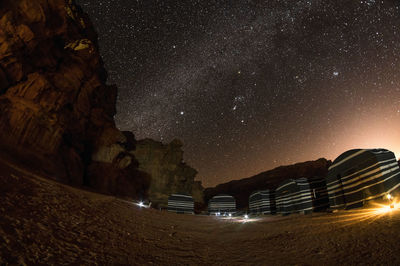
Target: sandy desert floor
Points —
{"points": [[42, 221]]}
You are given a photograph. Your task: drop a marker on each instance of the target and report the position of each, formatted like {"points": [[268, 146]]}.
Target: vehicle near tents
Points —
{"points": [[180, 203], [319, 193], [360, 175], [262, 202], [222, 205], [293, 196]]}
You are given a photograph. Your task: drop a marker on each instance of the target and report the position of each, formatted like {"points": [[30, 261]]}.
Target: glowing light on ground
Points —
{"points": [[141, 204], [369, 214], [239, 219]]}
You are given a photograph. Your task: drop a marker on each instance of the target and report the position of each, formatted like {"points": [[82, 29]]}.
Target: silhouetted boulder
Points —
{"points": [[197, 192], [241, 189], [169, 174]]}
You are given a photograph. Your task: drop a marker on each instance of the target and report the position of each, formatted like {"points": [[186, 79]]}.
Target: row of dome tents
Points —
{"points": [[355, 177], [218, 205], [300, 195]]}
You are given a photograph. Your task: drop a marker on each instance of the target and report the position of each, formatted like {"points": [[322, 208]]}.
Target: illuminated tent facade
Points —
{"points": [[360, 175], [222, 204], [319, 193], [262, 202], [294, 196], [181, 204]]}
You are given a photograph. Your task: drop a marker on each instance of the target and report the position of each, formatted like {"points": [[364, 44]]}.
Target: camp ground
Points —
{"points": [[180, 203], [355, 177], [262, 202], [360, 175], [222, 205]]}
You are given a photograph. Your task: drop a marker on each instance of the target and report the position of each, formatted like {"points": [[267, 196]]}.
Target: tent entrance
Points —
{"points": [[339, 177]]}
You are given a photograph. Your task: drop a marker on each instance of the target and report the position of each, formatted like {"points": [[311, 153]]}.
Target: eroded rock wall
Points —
{"points": [[56, 109]]}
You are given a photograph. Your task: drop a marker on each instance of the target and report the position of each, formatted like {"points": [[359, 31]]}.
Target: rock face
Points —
{"points": [[169, 174], [56, 109], [241, 189]]}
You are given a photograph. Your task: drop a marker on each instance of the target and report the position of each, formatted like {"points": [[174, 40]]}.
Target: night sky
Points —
{"points": [[251, 85]]}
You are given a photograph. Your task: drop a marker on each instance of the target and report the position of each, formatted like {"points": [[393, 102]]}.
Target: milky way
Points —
{"points": [[250, 85]]}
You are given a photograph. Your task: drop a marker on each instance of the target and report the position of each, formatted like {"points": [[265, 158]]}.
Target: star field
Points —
{"points": [[251, 85]]}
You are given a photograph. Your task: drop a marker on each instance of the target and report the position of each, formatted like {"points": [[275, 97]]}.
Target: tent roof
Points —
{"points": [[285, 183], [180, 195], [222, 196], [264, 191], [352, 153]]}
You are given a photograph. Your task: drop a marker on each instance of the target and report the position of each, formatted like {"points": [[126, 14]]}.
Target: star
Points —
{"points": [[291, 82]]}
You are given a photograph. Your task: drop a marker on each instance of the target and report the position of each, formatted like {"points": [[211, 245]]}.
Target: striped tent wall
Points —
{"points": [[222, 204], [181, 203], [319, 193], [283, 199], [261, 202], [294, 196], [360, 175], [303, 199]]}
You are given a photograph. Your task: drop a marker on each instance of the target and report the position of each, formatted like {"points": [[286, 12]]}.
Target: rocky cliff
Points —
{"points": [[241, 189], [56, 109], [169, 174]]}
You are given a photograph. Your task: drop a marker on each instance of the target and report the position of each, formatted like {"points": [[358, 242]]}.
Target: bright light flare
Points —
{"points": [[381, 210], [242, 219], [141, 204], [247, 219], [238, 219], [389, 197], [376, 211]]}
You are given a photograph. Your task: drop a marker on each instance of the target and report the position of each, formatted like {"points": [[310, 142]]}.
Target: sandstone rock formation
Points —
{"points": [[241, 189], [56, 109], [169, 174]]}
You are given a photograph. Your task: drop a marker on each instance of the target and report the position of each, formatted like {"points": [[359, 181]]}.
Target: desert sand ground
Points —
{"points": [[45, 222]]}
